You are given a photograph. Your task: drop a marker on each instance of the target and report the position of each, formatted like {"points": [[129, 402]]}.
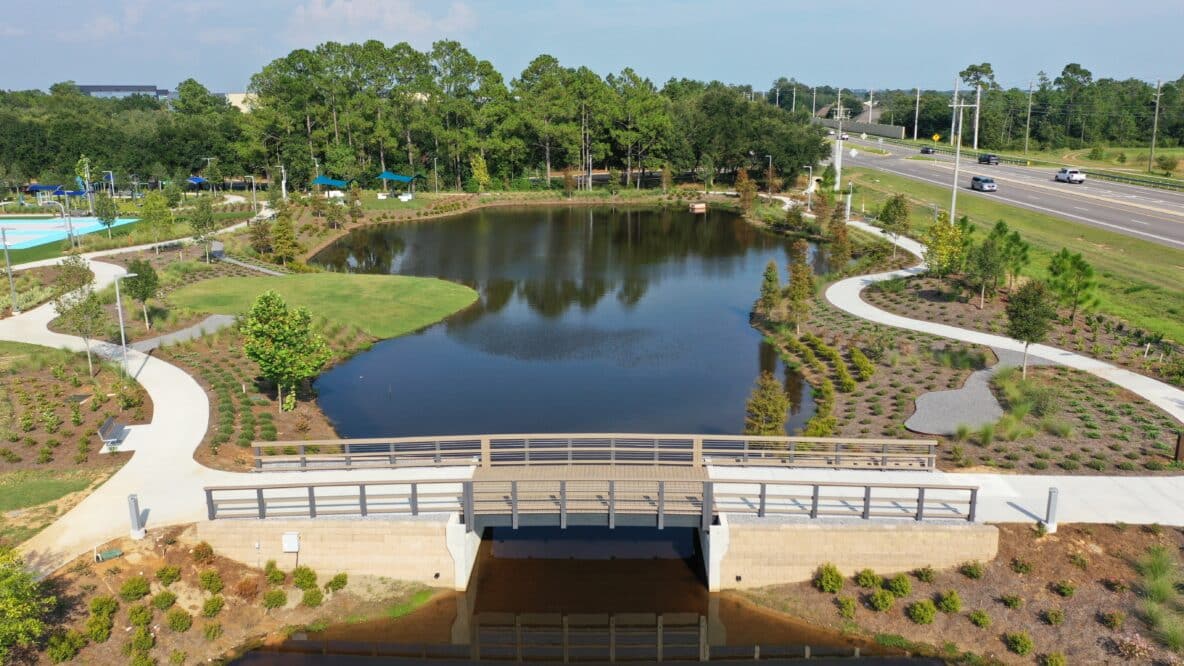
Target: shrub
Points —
{"points": [[304, 578], [164, 600], [1114, 621], [1019, 642], [139, 615], [899, 585], [142, 639], [828, 579], [210, 581], [921, 612], [1012, 601], [275, 599], [102, 614], [868, 579], [980, 619], [1065, 588], [64, 647], [247, 588], [134, 588], [275, 576], [337, 583], [1021, 566], [972, 570], [925, 574], [203, 553], [846, 607], [212, 606], [212, 631], [880, 600], [1078, 560], [949, 602], [142, 659], [177, 657], [1054, 659], [1053, 616], [168, 575], [178, 620], [312, 597]]}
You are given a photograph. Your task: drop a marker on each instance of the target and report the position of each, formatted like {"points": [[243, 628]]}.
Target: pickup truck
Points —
{"points": [[1067, 175]]}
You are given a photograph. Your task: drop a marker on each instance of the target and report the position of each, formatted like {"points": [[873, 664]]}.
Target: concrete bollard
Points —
{"points": [[133, 509], [1050, 513]]}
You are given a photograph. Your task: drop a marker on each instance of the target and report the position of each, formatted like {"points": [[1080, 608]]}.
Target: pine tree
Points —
{"points": [[746, 189], [840, 242], [261, 236], [770, 290], [985, 268], [767, 407], [800, 291], [355, 204], [283, 240], [795, 221], [1072, 280]]}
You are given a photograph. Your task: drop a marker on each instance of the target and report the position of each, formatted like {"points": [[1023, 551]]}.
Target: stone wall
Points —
{"points": [[763, 553], [410, 550]]}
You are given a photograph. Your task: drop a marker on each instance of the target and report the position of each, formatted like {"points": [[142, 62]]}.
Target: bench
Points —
{"points": [[111, 433]]}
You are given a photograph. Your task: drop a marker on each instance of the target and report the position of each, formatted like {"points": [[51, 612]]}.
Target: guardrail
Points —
{"points": [[1092, 173], [597, 449], [658, 499]]}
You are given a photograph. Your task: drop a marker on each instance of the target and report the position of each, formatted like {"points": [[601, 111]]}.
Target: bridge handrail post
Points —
{"points": [[570, 450], [884, 456], [514, 504], [303, 457], [661, 505], [814, 501], [612, 450], [793, 450], [261, 504], [973, 505], [657, 458], [838, 454], [258, 451], [437, 458], [526, 450], [867, 502], [485, 452], [211, 509], [612, 505], [348, 455], [921, 503], [708, 505], [697, 451], [362, 499], [764, 491], [414, 499], [467, 504], [312, 502], [563, 504]]}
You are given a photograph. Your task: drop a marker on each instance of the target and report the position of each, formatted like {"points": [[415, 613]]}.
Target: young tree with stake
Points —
{"points": [[1030, 314], [106, 210], [143, 286], [282, 342], [800, 292]]}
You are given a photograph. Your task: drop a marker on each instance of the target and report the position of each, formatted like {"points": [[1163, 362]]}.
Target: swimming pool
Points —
{"points": [[25, 232]]}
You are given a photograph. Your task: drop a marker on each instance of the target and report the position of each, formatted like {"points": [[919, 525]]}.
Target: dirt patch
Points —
{"points": [[1098, 560]]}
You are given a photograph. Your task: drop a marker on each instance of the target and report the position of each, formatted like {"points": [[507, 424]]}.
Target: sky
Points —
{"points": [[849, 43]]}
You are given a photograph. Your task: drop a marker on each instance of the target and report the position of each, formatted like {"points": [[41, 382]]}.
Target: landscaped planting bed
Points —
{"points": [[1091, 594]]}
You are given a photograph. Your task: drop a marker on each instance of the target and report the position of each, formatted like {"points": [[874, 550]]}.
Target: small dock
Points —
{"points": [[698, 208]]}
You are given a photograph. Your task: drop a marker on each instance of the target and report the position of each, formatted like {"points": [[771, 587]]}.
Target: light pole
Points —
{"points": [[8, 266], [209, 162], [111, 180], [69, 221], [254, 202], [283, 182], [436, 176], [769, 185], [810, 190], [119, 310], [135, 186]]}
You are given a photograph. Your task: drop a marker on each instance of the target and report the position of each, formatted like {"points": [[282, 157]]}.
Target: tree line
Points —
{"points": [[353, 110]]}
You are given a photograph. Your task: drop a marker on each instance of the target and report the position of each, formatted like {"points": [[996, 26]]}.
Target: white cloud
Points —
{"points": [[389, 21]]}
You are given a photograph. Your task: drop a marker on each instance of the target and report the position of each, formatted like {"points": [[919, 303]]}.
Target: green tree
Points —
{"points": [[1072, 279], [766, 409], [260, 235], [82, 314], [106, 210], [840, 242], [156, 216], [1030, 313], [201, 222], [335, 215], [827, 179], [173, 194], [354, 204], [24, 605], [282, 342], [795, 220], [74, 273], [283, 240], [894, 218], [143, 286], [480, 172], [746, 189], [985, 268], [799, 293], [944, 247], [770, 290]]}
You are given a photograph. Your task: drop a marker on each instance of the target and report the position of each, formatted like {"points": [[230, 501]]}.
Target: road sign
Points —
{"points": [[937, 137], [863, 136], [854, 152]]}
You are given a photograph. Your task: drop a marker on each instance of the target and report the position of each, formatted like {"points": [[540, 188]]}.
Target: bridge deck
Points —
{"points": [[590, 473]]}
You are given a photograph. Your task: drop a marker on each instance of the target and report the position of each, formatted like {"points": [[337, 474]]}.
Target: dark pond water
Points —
{"points": [[591, 595], [589, 320]]}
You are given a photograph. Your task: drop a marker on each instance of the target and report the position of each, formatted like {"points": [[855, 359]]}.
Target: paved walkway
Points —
{"points": [[169, 482], [210, 324]]}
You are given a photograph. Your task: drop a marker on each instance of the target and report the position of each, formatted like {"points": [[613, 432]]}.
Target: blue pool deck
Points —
{"points": [[26, 232]]}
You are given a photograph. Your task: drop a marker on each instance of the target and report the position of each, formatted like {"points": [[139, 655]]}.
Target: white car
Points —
{"points": [[1069, 176], [844, 137]]}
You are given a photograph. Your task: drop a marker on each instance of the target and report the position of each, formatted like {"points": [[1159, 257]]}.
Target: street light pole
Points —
{"points": [[769, 185], [810, 190], [814, 104], [916, 114], [794, 106], [112, 182], [436, 175], [8, 266], [119, 310], [1154, 125], [254, 203]]}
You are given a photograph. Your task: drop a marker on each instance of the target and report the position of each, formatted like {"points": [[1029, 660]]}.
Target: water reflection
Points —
{"points": [[588, 319]]}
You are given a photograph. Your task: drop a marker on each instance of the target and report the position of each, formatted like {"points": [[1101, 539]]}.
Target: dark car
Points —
{"points": [[988, 158], [927, 150]]}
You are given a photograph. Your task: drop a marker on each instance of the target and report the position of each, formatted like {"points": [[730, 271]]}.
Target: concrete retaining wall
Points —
{"points": [[768, 553], [411, 550], [853, 128]]}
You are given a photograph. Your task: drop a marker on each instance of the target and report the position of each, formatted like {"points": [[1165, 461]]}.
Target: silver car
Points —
{"points": [[983, 184]]}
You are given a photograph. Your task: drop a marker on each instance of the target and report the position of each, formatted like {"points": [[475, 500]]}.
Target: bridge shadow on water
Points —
{"points": [[585, 595]]}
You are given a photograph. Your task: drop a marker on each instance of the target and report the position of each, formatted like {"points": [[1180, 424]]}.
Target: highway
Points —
{"points": [[1142, 212]]}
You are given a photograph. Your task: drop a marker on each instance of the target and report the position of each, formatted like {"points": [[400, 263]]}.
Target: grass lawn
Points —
{"points": [[1138, 281], [384, 306], [20, 490], [370, 201]]}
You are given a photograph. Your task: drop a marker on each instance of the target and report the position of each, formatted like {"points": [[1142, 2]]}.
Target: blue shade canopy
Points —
{"points": [[44, 188], [397, 177], [197, 180], [325, 180]]}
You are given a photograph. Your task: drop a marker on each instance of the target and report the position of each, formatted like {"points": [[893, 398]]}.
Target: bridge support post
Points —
{"points": [[467, 504], [1050, 512], [708, 506]]}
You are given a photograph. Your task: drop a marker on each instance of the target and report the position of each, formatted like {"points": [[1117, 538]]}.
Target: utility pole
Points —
{"points": [[871, 102], [954, 115], [794, 106], [978, 96], [1028, 123], [958, 107], [814, 104], [778, 102], [839, 113], [1154, 125], [916, 114]]}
